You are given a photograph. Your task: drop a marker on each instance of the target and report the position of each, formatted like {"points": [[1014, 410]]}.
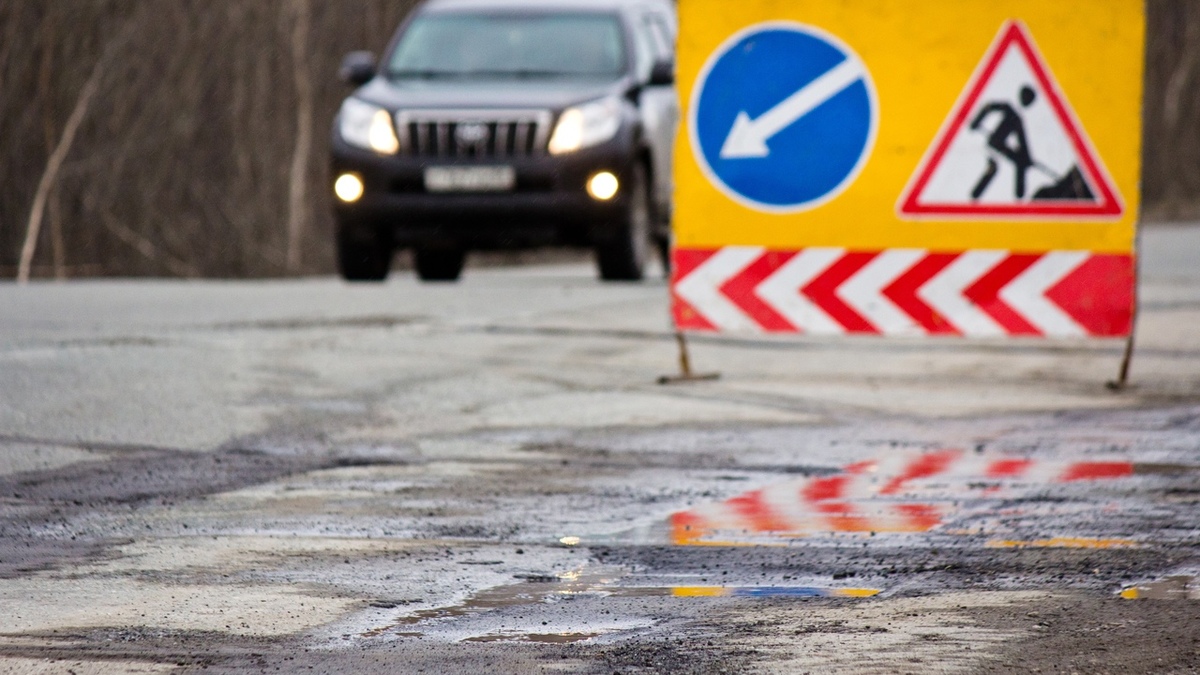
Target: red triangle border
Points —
{"points": [[1109, 204]]}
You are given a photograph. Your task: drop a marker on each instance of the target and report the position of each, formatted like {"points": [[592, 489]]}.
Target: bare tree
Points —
{"points": [[298, 202], [196, 144], [46, 95], [50, 175]]}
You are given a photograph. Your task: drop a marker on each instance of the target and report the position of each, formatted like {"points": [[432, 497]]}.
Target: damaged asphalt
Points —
{"points": [[307, 477]]}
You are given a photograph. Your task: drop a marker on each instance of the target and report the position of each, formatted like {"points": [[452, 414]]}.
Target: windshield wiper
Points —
{"points": [[423, 74], [524, 74], [527, 74]]}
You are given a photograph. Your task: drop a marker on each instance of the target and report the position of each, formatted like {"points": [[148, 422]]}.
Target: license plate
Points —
{"points": [[470, 178]]}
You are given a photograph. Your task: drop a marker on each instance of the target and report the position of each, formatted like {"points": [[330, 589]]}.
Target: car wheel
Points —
{"points": [[623, 256], [363, 256], [439, 264]]}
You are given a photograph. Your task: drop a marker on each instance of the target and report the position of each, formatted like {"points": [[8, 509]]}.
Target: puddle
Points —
{"points": [[772, 592], [496, 598], [540, 638], [533, 589], [1171, 588], [909, 493], [538, 578], [599, 582], [1065, 542]]}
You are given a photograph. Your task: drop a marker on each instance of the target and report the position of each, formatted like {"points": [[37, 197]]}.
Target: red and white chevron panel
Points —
{"points": [[904, 292]]}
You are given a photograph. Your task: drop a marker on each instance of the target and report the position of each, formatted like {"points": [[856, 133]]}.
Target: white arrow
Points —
{"points": [[749, 137]]}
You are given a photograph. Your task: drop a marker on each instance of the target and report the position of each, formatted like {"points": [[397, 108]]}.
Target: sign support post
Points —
{"points": [[685, 366], [1122, 381]]}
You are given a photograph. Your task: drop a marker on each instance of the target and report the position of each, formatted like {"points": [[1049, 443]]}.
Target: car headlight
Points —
{"points": [[366, 126], [584, 126]]}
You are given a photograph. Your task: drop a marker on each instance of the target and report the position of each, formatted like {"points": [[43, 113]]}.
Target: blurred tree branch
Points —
{"points": [[197, 144], [46, 95], [1181, 77], [147, 248], [59, 155], [298, 203]]}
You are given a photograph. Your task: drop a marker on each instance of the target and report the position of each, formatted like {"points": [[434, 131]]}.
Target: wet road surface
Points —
{"points": [[306, 477]]}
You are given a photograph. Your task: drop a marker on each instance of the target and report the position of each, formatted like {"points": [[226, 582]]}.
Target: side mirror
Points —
{"points": [[663, 74], [358, 68]]}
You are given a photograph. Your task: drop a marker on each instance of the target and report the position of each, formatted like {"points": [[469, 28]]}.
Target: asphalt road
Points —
{"points": [[303, 476]]}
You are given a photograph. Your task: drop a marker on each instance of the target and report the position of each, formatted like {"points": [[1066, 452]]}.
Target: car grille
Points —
{"points": [[474, 134]]}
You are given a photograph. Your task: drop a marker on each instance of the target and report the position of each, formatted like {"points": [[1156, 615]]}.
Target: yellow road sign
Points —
{"points": [[974, 131]]}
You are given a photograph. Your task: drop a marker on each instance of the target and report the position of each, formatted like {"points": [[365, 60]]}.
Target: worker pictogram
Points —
{"points": [[1012, 147]]}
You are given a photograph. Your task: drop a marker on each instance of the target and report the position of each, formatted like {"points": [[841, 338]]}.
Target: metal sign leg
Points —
{"points": [[685, 366]]}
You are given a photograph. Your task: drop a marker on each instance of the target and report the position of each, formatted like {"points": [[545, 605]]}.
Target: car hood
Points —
{"points": [[418, 94]]}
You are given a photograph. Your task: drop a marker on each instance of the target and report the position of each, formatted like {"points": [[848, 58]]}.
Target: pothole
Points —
{"points": [[1170, 588]]}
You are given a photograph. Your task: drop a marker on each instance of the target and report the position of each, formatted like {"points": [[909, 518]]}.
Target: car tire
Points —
{"points": [[439, 264], [623, 256], [663, 245], [363, 256]]}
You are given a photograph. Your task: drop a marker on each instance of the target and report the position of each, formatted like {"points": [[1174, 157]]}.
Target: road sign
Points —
{"points": [[772, 98], [909, 167], [1013, 147]]}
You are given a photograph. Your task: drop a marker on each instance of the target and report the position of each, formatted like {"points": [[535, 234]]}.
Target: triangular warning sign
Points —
{"points": [[1012, 148]]}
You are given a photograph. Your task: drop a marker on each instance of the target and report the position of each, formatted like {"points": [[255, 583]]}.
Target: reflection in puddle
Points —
{"points": [[1171, 588], [903, 493]]}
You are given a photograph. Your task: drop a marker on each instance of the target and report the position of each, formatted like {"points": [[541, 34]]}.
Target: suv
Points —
{"points": [[509, 124]]}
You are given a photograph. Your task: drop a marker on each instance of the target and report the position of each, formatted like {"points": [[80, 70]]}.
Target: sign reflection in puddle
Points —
{"points": [[978, 493]]}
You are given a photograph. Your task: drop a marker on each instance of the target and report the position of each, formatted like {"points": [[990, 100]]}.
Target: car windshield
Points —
{"points": [[495, 46]]}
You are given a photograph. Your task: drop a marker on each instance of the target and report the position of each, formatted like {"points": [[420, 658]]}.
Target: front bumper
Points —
{"points": [[550, 204]]}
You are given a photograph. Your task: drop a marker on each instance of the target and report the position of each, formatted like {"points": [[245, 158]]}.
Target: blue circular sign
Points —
{"points": [[783, 117]]}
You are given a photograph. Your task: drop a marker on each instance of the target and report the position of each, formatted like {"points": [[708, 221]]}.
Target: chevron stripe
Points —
{"points": [[864, 292], [904, 292], [702, 288], [1027, 294], [741, 290], [946, 293], [782, 291], [823, 290]]}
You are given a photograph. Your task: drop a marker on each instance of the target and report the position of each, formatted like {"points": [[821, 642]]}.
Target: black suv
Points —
{"points": [[508, 124]]}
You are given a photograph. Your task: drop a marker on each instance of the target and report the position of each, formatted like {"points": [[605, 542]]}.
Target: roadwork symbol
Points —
{"points": [[1012, 147], [783, 118]]}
